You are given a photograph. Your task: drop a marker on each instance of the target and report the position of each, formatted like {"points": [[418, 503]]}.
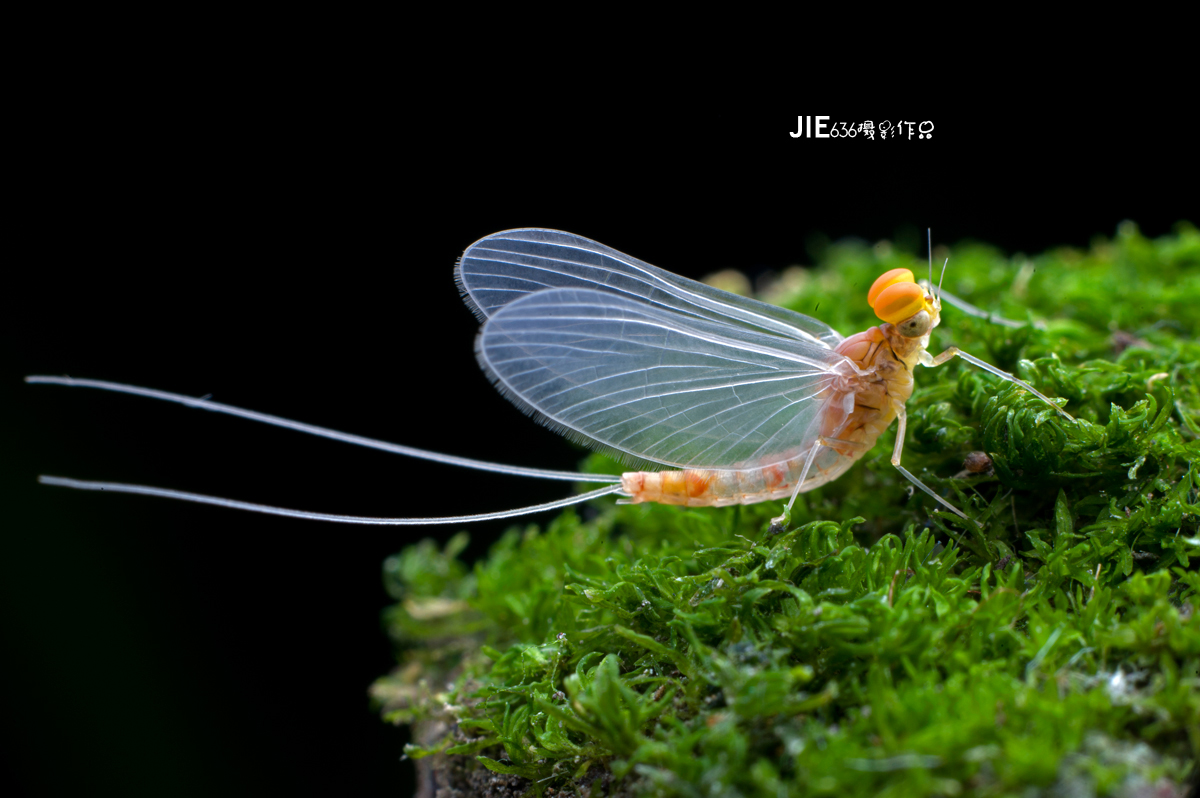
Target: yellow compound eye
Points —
{"points": [[886, 279], [899, 301]]}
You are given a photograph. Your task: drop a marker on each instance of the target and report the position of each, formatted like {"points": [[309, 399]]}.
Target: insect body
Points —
{"points": [[855, 410], [752, 401], [748, 402]]}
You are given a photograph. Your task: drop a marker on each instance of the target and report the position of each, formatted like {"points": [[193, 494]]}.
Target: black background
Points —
{"points": [[291, 252]]}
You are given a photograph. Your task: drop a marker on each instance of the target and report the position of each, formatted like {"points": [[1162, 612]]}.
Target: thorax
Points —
{"points": [[887, 358]]}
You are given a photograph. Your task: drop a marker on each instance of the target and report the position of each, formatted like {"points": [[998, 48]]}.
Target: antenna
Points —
{"points": [[929, 247]]}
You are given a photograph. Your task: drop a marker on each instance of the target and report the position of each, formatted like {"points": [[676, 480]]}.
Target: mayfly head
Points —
{"points": [[897, 298]]}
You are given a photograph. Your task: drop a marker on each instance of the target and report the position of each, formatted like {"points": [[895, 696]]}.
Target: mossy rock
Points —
{"points": [[881, 646]]}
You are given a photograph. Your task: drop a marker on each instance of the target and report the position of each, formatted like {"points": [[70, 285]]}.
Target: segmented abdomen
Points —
{"points": [[712, 487]]}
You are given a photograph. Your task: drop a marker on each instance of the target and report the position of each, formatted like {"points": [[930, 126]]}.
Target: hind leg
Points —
{"points": [[780, 523]]}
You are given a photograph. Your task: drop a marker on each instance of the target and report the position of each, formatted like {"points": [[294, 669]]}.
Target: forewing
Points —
{"points": [[504, 267], [655, 384]]}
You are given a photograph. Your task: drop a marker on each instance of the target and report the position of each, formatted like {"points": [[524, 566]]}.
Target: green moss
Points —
{"points": [[880, 647]]}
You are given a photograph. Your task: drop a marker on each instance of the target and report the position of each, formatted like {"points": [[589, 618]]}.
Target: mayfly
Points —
{"points": [[718, 398]]}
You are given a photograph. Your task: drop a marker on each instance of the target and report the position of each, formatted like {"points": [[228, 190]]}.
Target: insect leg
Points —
{"points": [[838, 443], [781, 522], [903, 422], [954, 351]]}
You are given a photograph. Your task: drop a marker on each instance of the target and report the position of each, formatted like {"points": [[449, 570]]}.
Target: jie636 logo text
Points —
{"points": [[819, 127]]}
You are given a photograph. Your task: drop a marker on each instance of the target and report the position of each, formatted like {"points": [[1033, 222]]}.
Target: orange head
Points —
{"points": [[898, 299]]}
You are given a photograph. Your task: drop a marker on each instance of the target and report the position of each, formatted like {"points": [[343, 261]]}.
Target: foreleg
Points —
{"points": [[954, 351]]}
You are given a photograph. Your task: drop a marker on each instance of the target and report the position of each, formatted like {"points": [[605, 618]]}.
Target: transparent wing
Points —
{"points": [[504, 267], [653, 384]]}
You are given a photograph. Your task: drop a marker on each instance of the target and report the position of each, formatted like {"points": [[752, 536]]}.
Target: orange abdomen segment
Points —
{"points": [[690, 487]]}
